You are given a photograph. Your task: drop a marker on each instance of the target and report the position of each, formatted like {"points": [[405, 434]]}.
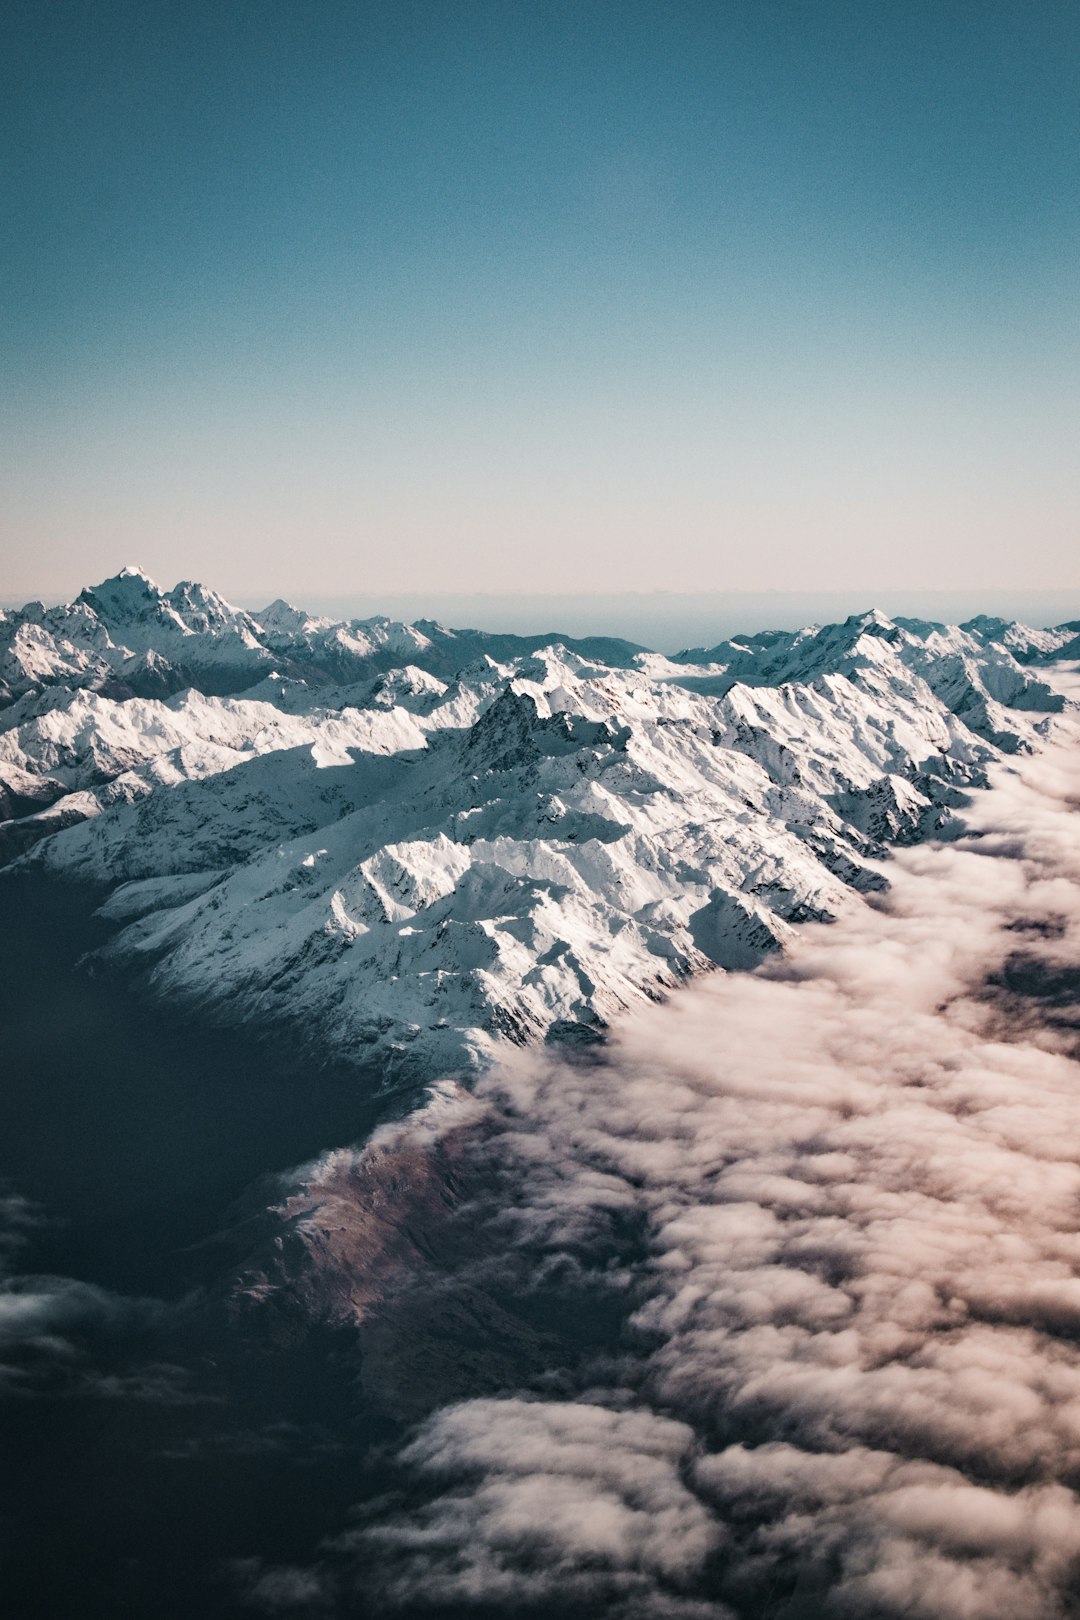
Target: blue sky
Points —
{"points": [[494, 295]]}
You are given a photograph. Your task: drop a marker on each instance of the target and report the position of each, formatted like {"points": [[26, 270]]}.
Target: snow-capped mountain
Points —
{"points": [[129, 638], [418, 843]]}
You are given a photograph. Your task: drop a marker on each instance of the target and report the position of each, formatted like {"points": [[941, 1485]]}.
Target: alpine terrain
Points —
{"points": [[536, 1126], [415, 845]]}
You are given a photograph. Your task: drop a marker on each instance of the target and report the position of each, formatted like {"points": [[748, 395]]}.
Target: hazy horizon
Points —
{"points": [[669, 620], [665, 621]]}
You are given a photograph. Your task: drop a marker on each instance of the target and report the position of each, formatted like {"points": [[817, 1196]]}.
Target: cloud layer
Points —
{"points": [[850, 1381]]}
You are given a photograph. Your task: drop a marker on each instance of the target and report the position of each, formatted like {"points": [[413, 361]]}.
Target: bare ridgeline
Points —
{"points": [[756, 1299]]}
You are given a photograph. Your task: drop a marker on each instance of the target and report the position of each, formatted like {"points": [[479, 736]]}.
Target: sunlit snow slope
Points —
{"points": [[417, 843]]}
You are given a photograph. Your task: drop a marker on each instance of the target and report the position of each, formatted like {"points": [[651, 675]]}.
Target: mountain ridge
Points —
{"points": [[421, 844]]}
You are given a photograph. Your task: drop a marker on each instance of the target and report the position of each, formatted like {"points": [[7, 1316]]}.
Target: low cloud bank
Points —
{"points": [[62, 1336], [851, 1379]]}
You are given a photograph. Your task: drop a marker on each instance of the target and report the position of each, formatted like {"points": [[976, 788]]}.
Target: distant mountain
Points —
{"points": [[975, 669], [130, 638], [421, 843]]}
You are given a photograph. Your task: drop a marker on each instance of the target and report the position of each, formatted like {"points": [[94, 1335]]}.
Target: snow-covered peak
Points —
{"points": [[281, 618], [198, 638], [1024, 643], [379, 634], [873, 622], [133, 571], [205, 613], [127, 597]]}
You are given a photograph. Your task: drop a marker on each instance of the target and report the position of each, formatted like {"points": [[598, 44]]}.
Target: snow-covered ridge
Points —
{"points": [[420, 843], [130, 638]]}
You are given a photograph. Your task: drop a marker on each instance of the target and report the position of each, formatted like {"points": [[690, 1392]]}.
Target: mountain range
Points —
{"points": [[414, 844]]}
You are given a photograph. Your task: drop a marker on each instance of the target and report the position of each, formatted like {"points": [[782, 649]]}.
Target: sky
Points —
{"points": [[326, 297]]}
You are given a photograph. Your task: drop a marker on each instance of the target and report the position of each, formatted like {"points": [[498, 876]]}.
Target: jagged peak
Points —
{"points": [[987, 621], [129, 592], [130, 577], [192, 590], [381, 626], [202, 608], [284, 618], [873, 619]]}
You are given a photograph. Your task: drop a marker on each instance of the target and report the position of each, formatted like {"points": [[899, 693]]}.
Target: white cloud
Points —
{"points": [[856, 1380]]}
